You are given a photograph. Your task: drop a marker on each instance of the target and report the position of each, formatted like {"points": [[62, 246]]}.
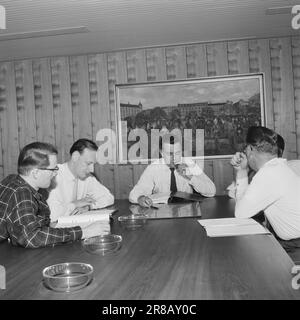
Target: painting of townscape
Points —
{"points": [[224, 107]]}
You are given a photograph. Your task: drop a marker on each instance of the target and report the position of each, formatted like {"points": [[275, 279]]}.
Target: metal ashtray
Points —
{"points": [[67, 277], [133, 221], [104, 244]]}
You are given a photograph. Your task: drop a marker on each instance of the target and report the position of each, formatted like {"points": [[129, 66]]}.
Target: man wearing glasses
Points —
{"points": [[24, 213], [274, 188]]}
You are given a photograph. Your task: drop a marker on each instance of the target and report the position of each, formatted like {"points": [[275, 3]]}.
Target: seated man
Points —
{"points": [[169, 174], [24, 213], [251, 173], [77, 190], [274, 188]]}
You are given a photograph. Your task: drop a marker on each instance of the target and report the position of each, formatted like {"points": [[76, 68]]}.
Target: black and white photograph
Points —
{"points": [[149, 155]]}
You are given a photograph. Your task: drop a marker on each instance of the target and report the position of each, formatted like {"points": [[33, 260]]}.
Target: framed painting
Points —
{"points": [[211, 115]]}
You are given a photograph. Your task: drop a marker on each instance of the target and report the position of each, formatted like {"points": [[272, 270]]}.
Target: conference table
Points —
{"points": [[165, 259]]}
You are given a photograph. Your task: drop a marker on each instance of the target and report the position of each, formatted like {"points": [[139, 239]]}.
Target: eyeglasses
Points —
{"points": [[50, 169]]}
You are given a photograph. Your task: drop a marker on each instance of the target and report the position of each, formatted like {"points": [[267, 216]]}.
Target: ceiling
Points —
{"points": [[39, 28]]}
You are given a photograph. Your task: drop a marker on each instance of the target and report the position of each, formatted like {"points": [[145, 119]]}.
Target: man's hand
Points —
{"points": [[80, 210], [182, 169], [95, 229], [87, 201], [145, 201], [239, 162]]}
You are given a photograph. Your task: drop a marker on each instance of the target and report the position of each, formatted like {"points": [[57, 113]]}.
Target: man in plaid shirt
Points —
{"points": [[24, 213]]}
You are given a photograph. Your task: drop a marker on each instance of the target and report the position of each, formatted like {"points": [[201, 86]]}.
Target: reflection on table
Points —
{"points": [[165, 211]]}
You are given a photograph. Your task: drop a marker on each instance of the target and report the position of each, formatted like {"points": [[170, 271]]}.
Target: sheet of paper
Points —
{"points": [[232, 227], [225, 231], [85, 218], [227, 222]]}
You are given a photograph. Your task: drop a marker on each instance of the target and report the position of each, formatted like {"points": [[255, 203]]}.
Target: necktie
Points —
{"points": [[173, 187]]}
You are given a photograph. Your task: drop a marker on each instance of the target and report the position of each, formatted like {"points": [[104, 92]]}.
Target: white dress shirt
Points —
{"points": [[275, 189], [157, 178], [69, 188], [293, 164]]}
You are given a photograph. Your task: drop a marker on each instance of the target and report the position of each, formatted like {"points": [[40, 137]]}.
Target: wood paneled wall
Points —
{"points": [[60, 99]]}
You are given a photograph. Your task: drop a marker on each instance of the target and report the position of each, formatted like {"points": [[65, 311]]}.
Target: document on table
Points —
{"points": [[85, 218], [161, 197], [232, 227]]}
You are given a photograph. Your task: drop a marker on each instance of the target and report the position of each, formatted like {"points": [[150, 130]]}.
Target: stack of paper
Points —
{"points": [[161, 197], [85, 218], [232, 227]]}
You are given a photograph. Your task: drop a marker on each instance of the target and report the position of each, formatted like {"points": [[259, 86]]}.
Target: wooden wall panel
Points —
{"points": [[217, 59], [136, 66], [117, 74], [100, 111], [9, 118], [296, 74], [156, 64], [43, 100], [136, 72], [80, 97], [283, 95], [238, 57], [176, 63], [196, 61], [25, 102], [260, 61], [62, 106]]}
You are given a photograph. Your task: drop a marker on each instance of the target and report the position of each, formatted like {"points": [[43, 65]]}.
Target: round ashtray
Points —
{"points": [[133, 221], [104, 244], [67, 277]]}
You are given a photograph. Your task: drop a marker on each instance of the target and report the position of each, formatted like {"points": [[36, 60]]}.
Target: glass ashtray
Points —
{"points": [[103, 245], [133, 221], [67, 277]]}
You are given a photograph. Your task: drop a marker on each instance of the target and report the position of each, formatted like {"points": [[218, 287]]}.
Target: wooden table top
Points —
{"points": [[166, 259]]}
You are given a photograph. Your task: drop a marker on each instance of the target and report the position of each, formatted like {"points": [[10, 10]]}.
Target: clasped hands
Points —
{"points": [[182, 170], [240, 163], [83, 205]]}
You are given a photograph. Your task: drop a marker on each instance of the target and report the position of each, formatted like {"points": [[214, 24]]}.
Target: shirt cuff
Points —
{"points": [[241, 186], [76, 233]]}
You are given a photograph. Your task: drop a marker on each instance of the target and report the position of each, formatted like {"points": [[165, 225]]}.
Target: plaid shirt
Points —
{"points": [[25, 217]]}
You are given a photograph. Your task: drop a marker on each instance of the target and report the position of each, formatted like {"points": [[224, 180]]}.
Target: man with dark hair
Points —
{"points": [[274, 188], [77, 190], [171, 173], [24, 213]]}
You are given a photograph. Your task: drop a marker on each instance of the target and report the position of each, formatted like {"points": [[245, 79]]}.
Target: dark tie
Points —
{"points": [[173, 187]]}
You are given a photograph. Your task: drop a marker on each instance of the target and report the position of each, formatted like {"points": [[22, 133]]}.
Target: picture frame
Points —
{"points": [[216, 111]]}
